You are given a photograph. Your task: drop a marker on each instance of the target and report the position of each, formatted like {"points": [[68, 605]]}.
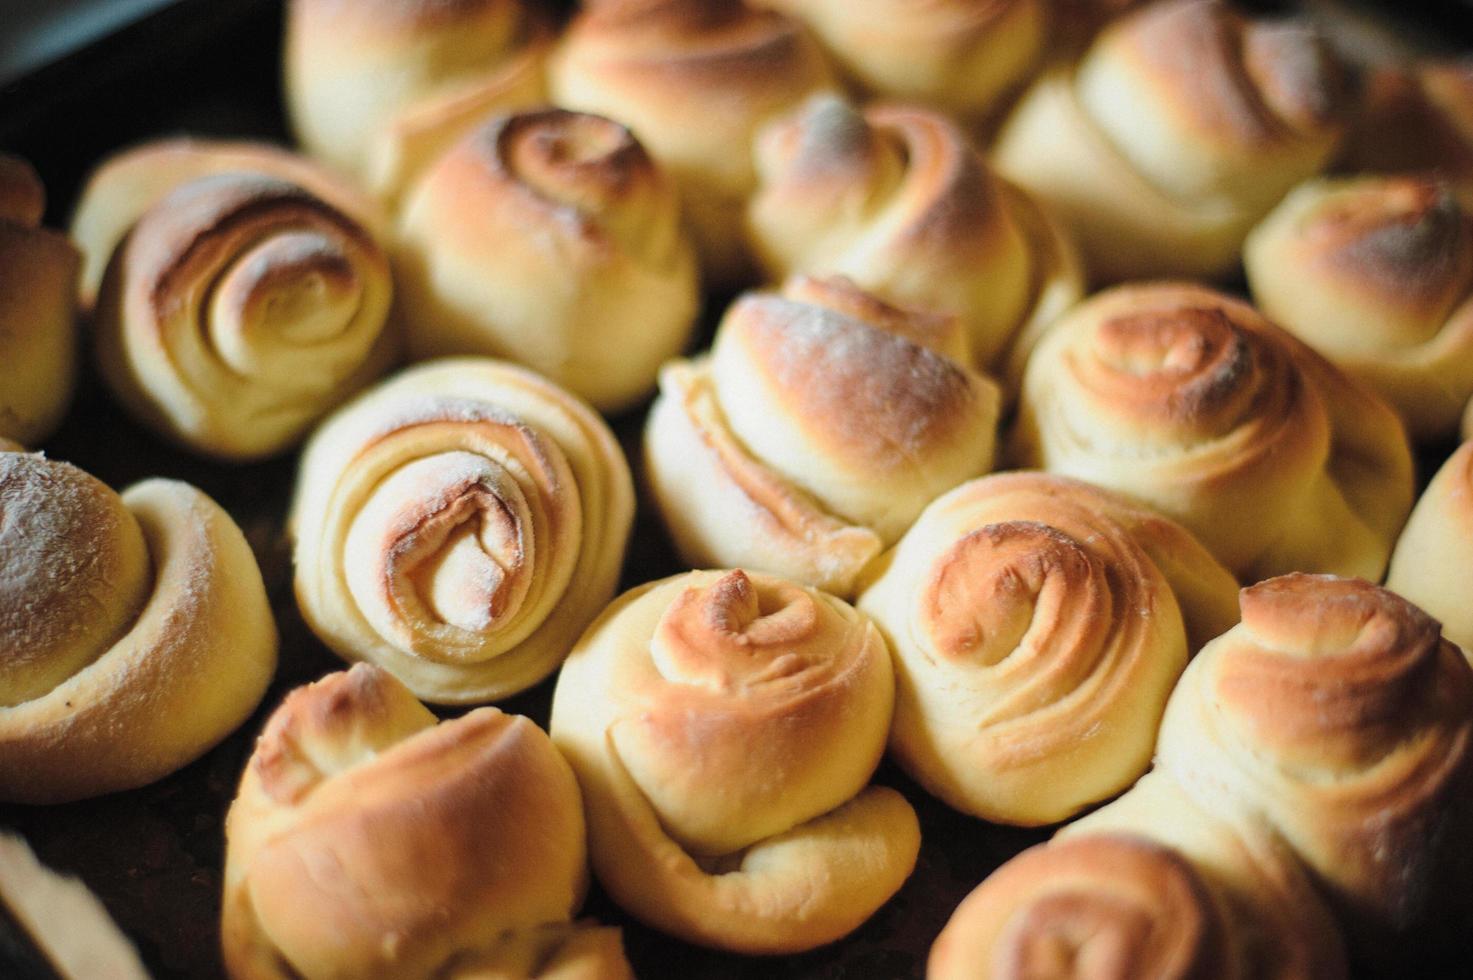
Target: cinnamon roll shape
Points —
{"points": [[422, 849], [381, 88], [1181, 126], [1417, 118], [459, 525], [960, 56], [1335, 714], [552, 239], [818, 427], [1192, 402], [1433, 561], [724, 727], [38, 276], [134, 630], [1038, 625], [694, 80], [898, 200]]}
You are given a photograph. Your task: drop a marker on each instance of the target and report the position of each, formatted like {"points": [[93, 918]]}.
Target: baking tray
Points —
{"points": [[155, 855]]}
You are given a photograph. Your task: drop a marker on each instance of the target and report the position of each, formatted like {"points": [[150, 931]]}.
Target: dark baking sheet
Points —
{"points": [[154, 855]]}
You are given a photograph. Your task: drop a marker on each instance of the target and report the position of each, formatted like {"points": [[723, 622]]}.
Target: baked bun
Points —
{"points": [[1181, 127], [1376, 273], [1336, 715], [1417, 117], [135, 630], [724, 727], [380, 88], [38, 332], [1192, 402], [1433, 561], [818, 427], [898, 200], [459, 525], [960, 56], [1038, 625], [694, 80], [419, 848], [551, 238]]}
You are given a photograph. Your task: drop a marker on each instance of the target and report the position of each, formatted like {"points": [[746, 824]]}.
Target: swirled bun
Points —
{"points": [[1180, 128], [898, 200], [38, 281], [1376, 274], [1038, 625], [552, 239], [421, 849], [694, 80], [238, 310], [1433, 562], [1417, 118], [380, 88], [960, 56], [1192, 402], [724, 727], [819, 426], [459, 525], [135, 630]]}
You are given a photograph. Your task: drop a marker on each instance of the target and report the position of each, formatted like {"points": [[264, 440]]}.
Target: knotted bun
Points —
{"points": [[1433, 562]]}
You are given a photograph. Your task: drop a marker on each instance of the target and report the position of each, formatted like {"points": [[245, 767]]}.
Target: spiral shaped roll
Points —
{"points": [[381, 88], [1337, 716], [1417, 118], [423, 850], [820, 425], [898, 200], [459, 525], [1038, 625], [1181, 127], [1190, 401], [135, 630], [551, 238], [724, 727], [1433, 562], [38, 277], [239, 310], [960, 56], [694, 80]]}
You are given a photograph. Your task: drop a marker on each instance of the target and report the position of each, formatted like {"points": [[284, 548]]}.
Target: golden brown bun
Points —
{"points": [[550, 238], [38, 281], [961, 56], [1433, 562], [1181, 127], [724, 727], [135, 630], [820, 425], [1376, 274], [459, 525], [419, 848], [1417, 117], [380, 88], [1335, 715], [694, 80], [898, 200], [1190, 401], [1038, 625]]}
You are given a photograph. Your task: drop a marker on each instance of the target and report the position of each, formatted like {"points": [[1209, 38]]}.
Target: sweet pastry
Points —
{"points": [[422, 849], [818, 427], [1416, 118], [459, 525], [960, 56], [380, 88], [1038, 625], [1181, 126], [694, 80], [1433, 561], [38, 276], [1376, 274], [136, 630], [898, 200], [1192, 402], [724, 727], [550, 238]]}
